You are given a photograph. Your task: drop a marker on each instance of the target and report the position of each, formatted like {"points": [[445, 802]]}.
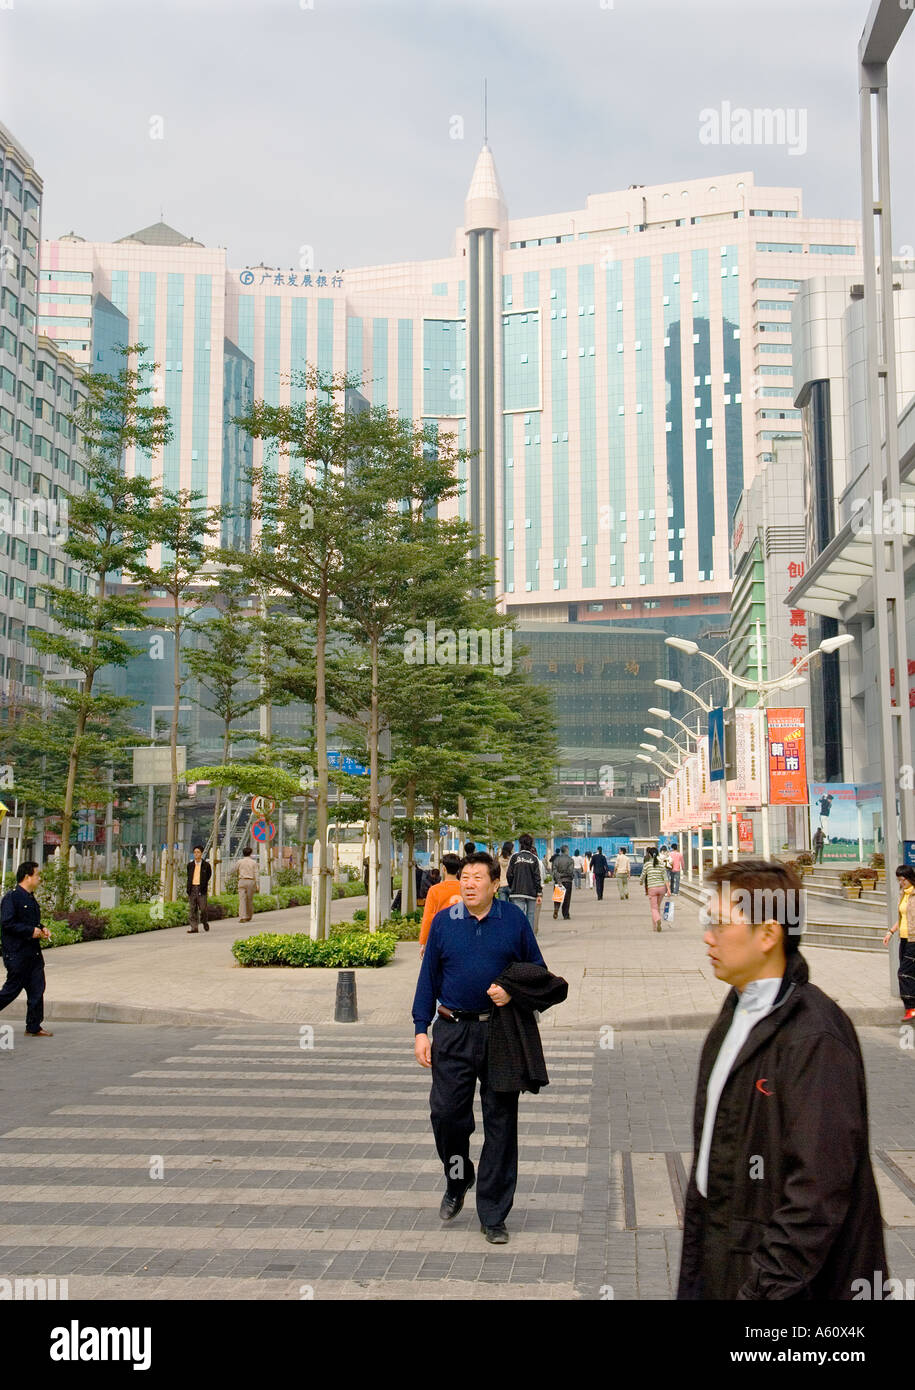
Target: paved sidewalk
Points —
{"points": [[621, 974], [214, 1163]]}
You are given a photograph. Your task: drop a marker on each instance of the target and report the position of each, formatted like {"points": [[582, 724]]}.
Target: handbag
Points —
{"points": [[559, 893]]}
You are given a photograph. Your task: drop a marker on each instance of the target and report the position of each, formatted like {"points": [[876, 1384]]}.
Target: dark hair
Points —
{"points": [[470, 847], [27, 868], [525, 842], [599, 850], [563, 849], [907, 872], [651, 853], [508, 847], [247, 849], [578, 851], [481, 857], [451, 863], [200, 847], [776, 894]]}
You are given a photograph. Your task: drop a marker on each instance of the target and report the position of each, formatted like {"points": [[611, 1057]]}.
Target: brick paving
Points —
{"points": [[290, 1172], [328, 1187]]}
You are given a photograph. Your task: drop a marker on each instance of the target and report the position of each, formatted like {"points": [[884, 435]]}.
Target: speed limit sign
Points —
{"points": [[262, 805]]}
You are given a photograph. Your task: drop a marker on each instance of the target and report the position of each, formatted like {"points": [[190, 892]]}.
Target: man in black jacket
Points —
{"points": [[563, 874], [525, 888], [600, 867], [199, 872], [781, 1202], [21, 935]]}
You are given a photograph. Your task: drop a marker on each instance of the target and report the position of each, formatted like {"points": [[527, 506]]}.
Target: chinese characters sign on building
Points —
{"points": [[292, 279], [787, 757]]}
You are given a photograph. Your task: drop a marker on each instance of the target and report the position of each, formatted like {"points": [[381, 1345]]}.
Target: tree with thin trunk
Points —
{"points": [[222, 666], [347, 468], [108, 530], [183, 529]]}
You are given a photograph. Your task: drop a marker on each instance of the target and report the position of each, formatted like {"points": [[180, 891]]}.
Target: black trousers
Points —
{"points": [[906, 973], [197, 908], [567, 900], [458, 1060], [599, 885], [25, 973]]}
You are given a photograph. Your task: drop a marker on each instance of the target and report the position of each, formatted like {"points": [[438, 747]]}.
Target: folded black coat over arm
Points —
{"points": [[515, 1053]]}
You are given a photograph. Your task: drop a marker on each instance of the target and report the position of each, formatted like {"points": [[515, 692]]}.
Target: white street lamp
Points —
{"points": [[762, 690]]}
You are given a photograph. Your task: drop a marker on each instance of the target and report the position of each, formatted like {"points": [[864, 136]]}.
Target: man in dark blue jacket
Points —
{"points": [[21, 935], [470, 944]]}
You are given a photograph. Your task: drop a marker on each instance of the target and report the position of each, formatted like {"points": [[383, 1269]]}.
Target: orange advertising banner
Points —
{"points": [[786, 739]]}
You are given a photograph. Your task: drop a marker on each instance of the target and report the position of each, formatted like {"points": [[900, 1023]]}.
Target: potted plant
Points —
{"points": [[851, 883], [805, 862], [878, 864]]}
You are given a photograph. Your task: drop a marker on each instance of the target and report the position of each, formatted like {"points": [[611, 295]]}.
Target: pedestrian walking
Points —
{"points": [[622, 869], [563, 877], [525, 879], [472, 946], [600, 867], [429, 878], [819, 840], [578, 863], [654, 882], [781, 1203], [675, 868], [199, 872], [441, 894], [21, 935], [248, 883], [505, 858], [905, 880]]}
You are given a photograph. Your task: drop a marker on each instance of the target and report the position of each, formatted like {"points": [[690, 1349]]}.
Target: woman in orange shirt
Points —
{"points": [[441, 895]]}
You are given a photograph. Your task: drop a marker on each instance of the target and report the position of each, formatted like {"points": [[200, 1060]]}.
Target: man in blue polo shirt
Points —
{"points": [[469, 946]]}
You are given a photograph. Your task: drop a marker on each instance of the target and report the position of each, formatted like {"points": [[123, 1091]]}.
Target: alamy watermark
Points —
{"points": [[739, 125], [876, 515], [757, 905], [465, 647], [35, 516]]}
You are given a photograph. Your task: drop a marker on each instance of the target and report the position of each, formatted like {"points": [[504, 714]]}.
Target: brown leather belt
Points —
{"points": [[461, 1015]]}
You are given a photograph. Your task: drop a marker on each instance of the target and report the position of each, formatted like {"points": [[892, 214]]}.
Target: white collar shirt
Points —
{"points": [[755, 1002]]}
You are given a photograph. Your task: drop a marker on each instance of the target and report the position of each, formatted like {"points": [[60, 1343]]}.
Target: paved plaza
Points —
{"points": [[286, 1157]]}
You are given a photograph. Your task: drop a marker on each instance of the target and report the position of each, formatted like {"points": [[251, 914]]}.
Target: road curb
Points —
{"points": [[883, 1017], [99, 1011]]}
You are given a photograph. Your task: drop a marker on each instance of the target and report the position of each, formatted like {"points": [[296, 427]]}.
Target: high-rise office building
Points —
{"points": [[39, 457], [618, 370]]}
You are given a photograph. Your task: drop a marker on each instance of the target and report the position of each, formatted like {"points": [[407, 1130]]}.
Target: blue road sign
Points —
{"points": [[348, 764], [716, 744], [908, 853]]}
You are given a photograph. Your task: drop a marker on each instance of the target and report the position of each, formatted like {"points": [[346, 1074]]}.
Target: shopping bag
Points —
{"points": [[667, 911], [559, 893]]}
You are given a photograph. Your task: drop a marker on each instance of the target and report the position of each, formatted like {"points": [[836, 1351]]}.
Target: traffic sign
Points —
{"points": [[263, 830], [262, 804], [716, 744]]}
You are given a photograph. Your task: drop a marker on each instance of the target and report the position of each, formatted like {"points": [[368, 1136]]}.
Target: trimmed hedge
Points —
{"points": [[353, 948], [398, 927]]}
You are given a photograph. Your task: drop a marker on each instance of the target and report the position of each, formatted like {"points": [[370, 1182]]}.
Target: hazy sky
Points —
{"points": [[331, 126]]}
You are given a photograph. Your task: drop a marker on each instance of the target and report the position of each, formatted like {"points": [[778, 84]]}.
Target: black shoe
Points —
{"points": [[496, 1235], [451, 1206], [206, 926]]}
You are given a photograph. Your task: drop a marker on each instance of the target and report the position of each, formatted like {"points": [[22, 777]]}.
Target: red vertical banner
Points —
{"points": [[745, 834], [786, 740]]}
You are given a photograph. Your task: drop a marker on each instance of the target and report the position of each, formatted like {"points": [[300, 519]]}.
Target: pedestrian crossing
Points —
{"points": [[241, 1165]]}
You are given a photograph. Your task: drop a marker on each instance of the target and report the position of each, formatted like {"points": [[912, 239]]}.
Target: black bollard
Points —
{"points": [[345, 1007]]}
